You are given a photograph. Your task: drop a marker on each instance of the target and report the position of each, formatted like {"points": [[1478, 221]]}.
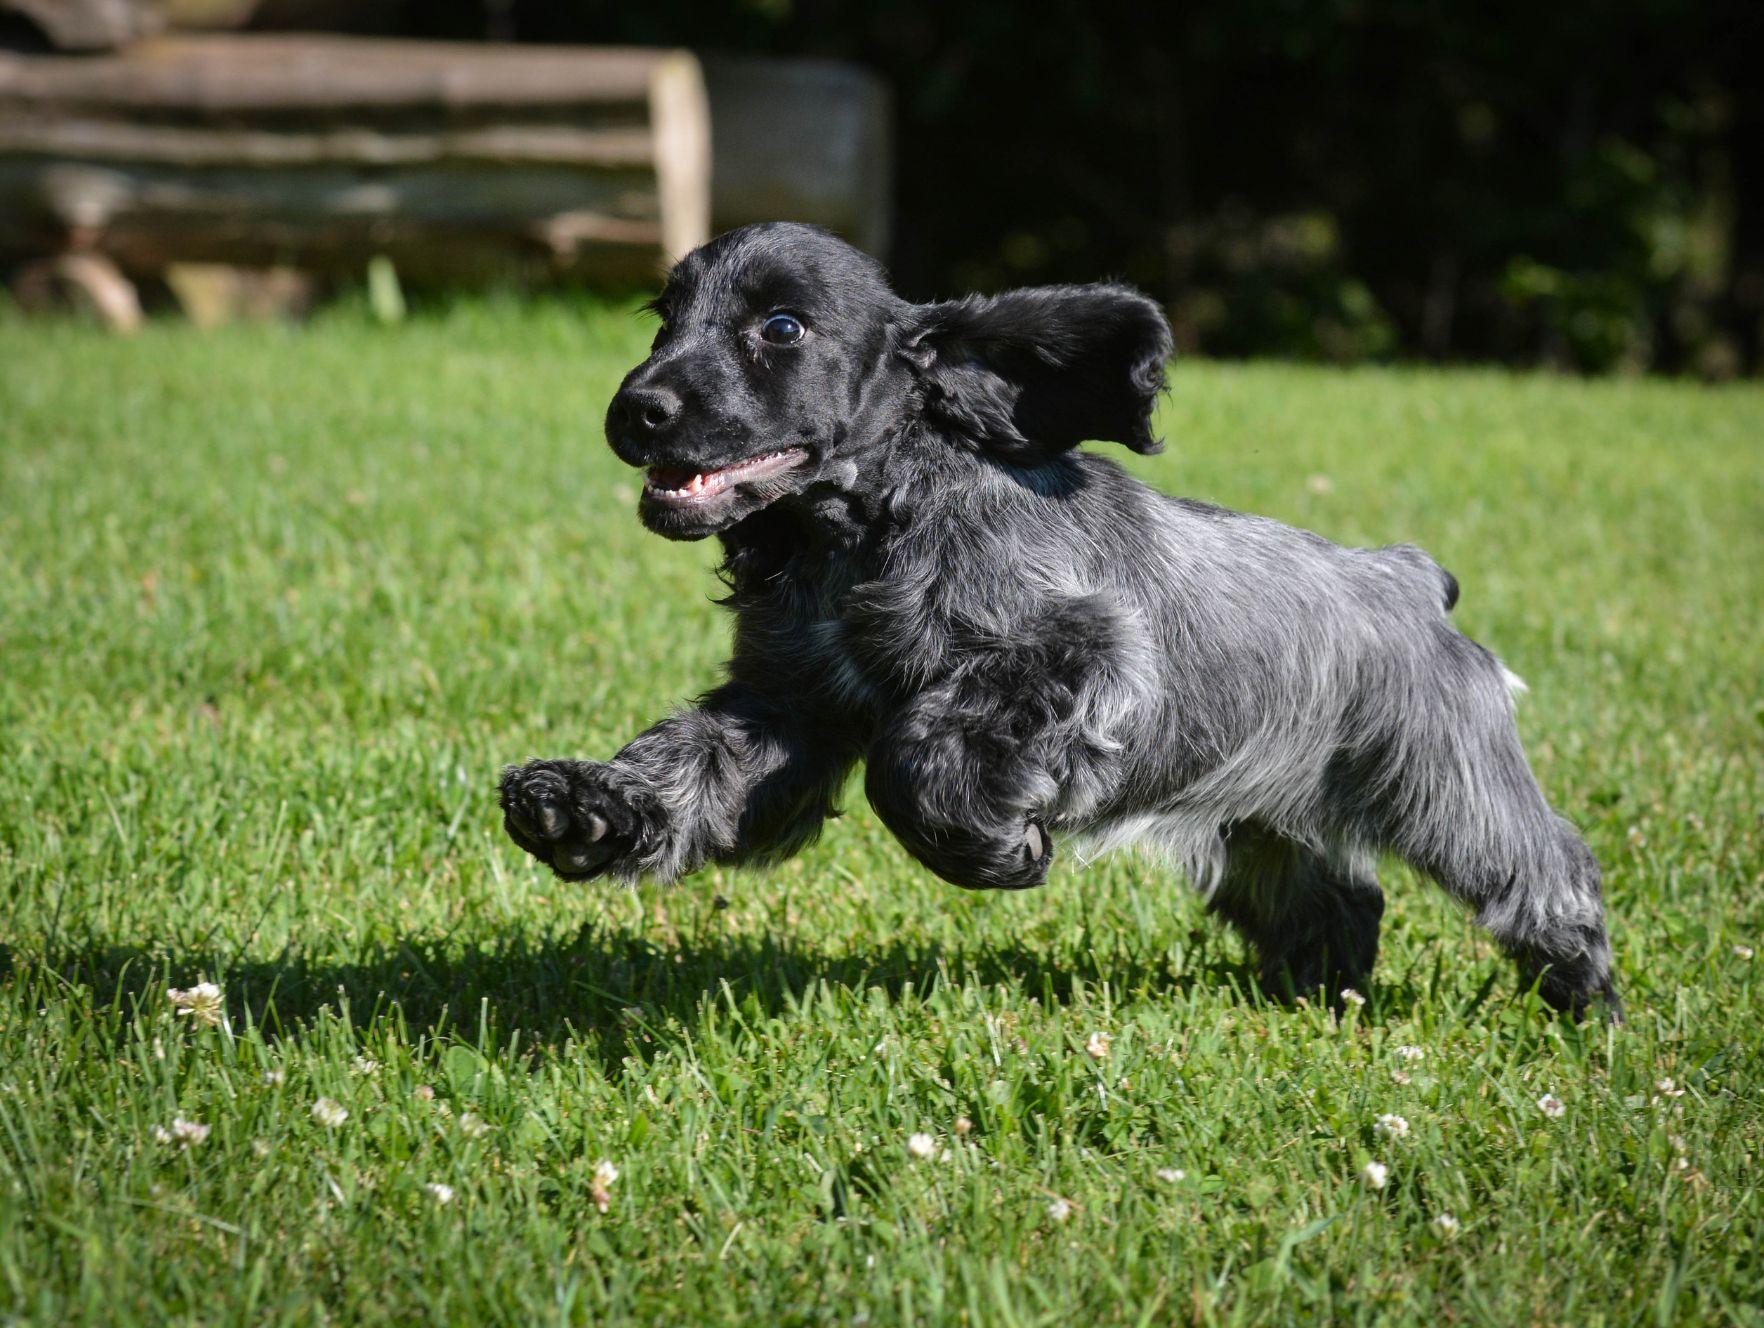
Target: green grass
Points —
{"points": [[276, 605]]}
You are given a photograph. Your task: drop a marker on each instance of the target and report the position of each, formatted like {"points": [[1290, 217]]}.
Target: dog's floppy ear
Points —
{"points": [[1030, 373]]}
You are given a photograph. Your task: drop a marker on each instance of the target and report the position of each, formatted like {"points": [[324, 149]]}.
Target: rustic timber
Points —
{"points": [[808, 140], [89, 283], [455, 161], [89, 25]]}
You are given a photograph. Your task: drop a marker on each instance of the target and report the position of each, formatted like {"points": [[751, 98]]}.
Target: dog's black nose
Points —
{"points": [[645, 412]]}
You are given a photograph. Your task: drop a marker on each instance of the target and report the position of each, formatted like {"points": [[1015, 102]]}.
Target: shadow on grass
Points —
{"points": [[596, 991]]}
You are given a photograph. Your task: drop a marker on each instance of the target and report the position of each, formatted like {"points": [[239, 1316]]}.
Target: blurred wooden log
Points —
{"points": [[90, 25], [213, 295], [810, 140], [457, 162], [208, 14], [87, 282]]}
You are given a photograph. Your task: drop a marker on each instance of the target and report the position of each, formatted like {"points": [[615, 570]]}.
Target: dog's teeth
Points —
{"points": [[708, 483]]}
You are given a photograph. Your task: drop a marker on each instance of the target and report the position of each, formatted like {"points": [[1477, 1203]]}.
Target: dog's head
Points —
{"points": [[785, 362]]}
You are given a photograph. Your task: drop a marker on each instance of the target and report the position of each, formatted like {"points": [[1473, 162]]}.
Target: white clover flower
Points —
{"points": [[1681, 1163], [962, 1127], [472, 1125], [1551, 1105], [423, 1092], [1446, 1225], [1170, 1175], [201, 1003], [1374, 1174], [184, 1133], [921, 1147], [274, 1077], [442, 1194], [1097, 1046], [1669, 1088], [1352, 997], [1059, 1210], [1743, 951], [1391, 1126], [329, 1113], [1406, 1052], [605, 1173], [362, 1065]]}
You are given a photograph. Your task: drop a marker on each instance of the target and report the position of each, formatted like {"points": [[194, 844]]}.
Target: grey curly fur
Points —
{"points": [[1025, 646]]}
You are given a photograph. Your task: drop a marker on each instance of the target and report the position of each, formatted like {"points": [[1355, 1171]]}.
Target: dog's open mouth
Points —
{"points": [[684, 487]]}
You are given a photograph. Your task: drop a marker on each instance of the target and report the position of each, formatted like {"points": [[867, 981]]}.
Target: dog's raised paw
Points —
{"points": [[1033, 857], [579, 818]]}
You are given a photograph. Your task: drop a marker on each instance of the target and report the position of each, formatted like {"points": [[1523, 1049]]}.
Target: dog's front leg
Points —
{"points": [[737, 778], [964, 776]]}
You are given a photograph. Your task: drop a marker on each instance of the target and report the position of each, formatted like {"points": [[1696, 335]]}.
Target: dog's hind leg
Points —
{"points": [[1537, 890], [1313, 921], [1464, 807]]}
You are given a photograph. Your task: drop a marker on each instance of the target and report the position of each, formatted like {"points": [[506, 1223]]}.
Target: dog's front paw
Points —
{"points": [[580, 818], [1005, 858]]}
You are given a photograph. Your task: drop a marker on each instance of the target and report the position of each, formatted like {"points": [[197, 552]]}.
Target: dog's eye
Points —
{"points": [[782, 329]]}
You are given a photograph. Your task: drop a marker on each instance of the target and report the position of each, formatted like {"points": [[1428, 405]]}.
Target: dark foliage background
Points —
{"points": [[1577, 183]]}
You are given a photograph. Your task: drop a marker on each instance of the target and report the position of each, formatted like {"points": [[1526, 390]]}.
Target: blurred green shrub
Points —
{"points": [[1577, 184]]}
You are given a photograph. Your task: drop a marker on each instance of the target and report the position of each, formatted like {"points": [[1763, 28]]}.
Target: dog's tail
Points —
{"points": [[1451, 587], [1421, 561]]}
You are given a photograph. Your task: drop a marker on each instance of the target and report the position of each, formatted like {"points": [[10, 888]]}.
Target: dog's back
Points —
{"points": [[1270, 709]]}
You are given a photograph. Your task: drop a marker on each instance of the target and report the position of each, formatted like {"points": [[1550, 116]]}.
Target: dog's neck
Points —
{"points": [[843, 515], [801, 534]]}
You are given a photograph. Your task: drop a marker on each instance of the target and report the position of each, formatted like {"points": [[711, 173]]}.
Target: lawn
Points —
{"points": [[275, 607]]}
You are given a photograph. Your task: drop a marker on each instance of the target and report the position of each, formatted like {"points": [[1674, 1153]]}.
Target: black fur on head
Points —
{"points": [[785, 365]]}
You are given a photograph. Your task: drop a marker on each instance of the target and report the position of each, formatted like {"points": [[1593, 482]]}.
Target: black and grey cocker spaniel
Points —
{"points": [[1025, 645]]}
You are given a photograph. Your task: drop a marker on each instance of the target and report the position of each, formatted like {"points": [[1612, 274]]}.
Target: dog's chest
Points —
{"points": [[795, 635]]}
